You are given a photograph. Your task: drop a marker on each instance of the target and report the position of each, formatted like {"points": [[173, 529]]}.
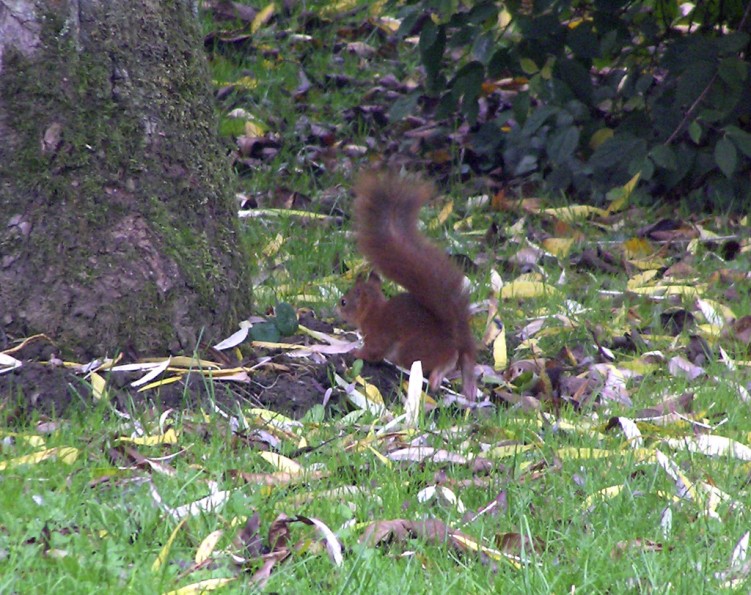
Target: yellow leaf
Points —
{"points": [[207, 546], [157, 564], [645, 264], [574, 212], [662, 290], [641, 279], [574, 23], [710, 331], [338, 7], [169, 437], [600, 137], [273, 418], [30, 439], [443, 215], [558, 247], [388, 24], [360, 400], [64, 454], [272, 345], [371, 390], [210, 584], [526, 289], [183, 361], [282, 463], [98, 386], [246, 82], [637, 248], [585, 453], [253, 129], [512, 450], [622, 194], [271, 248], [162, 382], [262, 17], [603, 494], [500, 353], [385, 460], [504, 17], [640, 366]]}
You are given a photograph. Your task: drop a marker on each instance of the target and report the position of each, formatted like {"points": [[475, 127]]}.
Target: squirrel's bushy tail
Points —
{"points": [[386, 212]]}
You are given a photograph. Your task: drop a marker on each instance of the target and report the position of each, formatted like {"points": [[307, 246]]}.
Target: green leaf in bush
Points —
{"points": [[573, 73], [644, 167], [404, 106], [488, 138], [694, 131], [600, 136], [726, 156], [583, 41], [740, 138], [467, 85], [527, 164], [483, 11], [432, 44], [663, 156], [693, 81], [563, 144], [483, 47], [733, 71], [618, 150], [409, 21], [265, 331], [538, 118], [286, 319], [500, 62], [520, 106], [733, 42], [528, 66]]}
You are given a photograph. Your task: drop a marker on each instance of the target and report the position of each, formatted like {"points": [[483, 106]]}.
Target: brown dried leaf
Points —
{"points": [[519, 545], [224, 10], [680, 404], [248, 540], [640, 545], [279, 533], [333, 545], [262, 575]]}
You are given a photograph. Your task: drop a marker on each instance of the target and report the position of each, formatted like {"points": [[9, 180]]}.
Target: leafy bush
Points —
{"points": [[583, 95]]}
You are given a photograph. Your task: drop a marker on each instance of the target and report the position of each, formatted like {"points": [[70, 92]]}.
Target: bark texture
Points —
{"points": [[117, 224]]}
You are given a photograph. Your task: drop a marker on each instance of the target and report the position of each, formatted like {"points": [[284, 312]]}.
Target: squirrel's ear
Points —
{"points": [[375, 278]]}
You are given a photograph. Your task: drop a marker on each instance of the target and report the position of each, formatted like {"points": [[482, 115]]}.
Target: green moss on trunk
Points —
{"points": [[118, 222]]}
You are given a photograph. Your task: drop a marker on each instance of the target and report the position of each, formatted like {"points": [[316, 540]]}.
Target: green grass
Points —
{"points": [[92, 524], [64, 528]]}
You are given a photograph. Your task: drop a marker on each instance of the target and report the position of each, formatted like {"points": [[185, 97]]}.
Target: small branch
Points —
{"points": [[691, 110]]}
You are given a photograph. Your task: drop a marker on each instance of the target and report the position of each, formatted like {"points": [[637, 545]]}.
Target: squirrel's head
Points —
{"points": [[365, 293]]}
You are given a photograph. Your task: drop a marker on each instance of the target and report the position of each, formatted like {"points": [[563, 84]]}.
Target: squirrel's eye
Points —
{"points": [[343, 302]]}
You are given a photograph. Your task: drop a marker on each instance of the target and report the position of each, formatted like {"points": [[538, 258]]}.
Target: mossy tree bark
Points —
{"points": [[117, 225]]}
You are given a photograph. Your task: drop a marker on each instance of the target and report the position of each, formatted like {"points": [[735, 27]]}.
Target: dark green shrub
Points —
{"points": [[580, 96]]}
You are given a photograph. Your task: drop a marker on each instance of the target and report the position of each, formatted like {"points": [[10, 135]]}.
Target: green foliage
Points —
{"points": [[286, 319], [580, 96]]}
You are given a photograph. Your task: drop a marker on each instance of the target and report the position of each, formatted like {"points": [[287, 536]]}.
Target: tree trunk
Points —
{"points": [[117, 224]]}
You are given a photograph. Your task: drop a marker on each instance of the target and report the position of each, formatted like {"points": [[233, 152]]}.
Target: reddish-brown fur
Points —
{"points": [[430, 323]]}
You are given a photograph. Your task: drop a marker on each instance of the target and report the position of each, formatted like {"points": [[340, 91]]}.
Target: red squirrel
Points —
{"points": [[430, 323]]}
